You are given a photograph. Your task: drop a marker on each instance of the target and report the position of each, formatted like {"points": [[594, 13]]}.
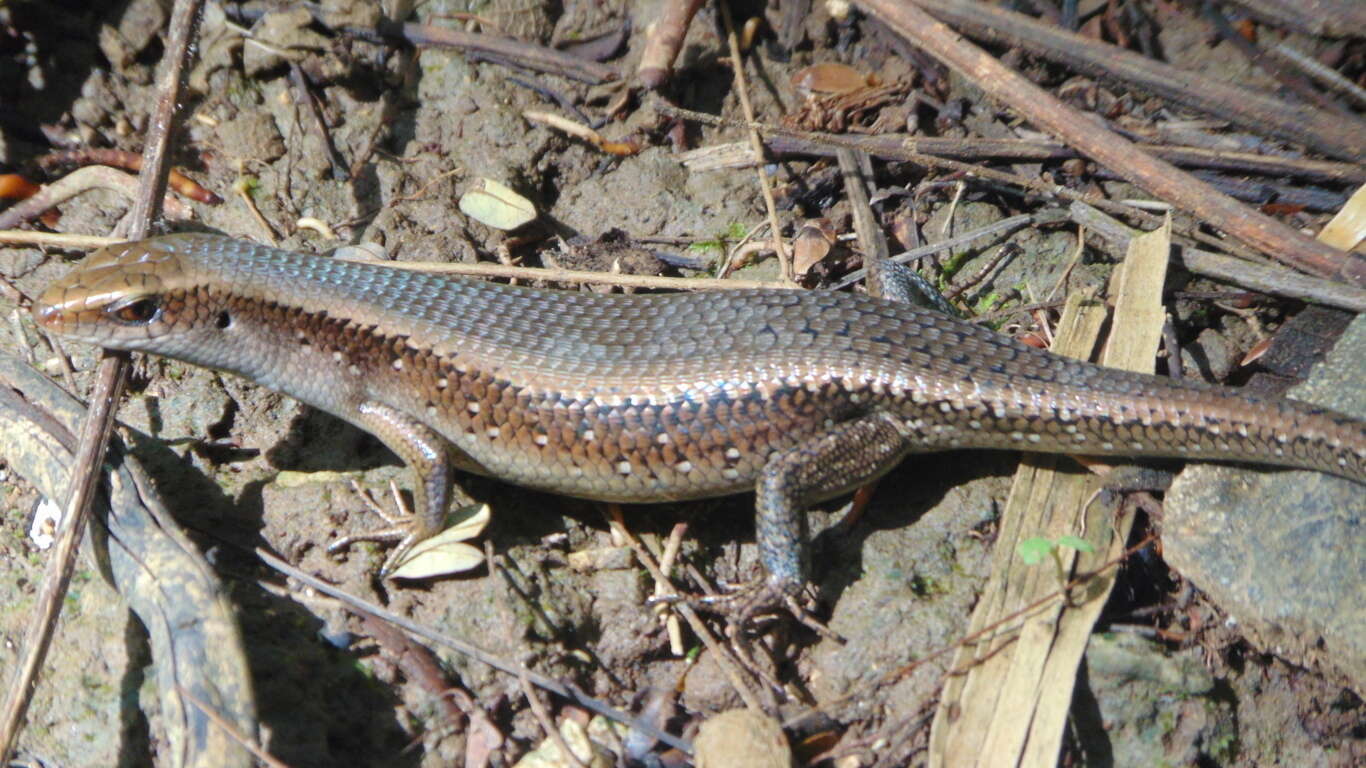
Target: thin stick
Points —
{"points": [[1159, 178], [110, 378], [56, 239], [1256, 111], [484, 269], [757, 145]]}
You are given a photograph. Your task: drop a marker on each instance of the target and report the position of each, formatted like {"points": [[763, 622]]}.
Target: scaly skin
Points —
{"points": [[798, 395]]}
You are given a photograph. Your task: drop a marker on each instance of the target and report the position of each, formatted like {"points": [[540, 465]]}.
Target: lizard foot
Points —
{"points": [[402, 527]]}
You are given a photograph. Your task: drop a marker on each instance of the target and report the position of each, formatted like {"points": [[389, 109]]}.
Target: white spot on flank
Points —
{"points": [[1107, 446], [974, 424], [441, 383], [493, 432], [1242, 430], [662, 438], [732, 453], [1016, 435], [944, 407], [431, 411], [684, 467], [589, 435], [1279, 452], [1137, 446], [1035, 437], [398, 364], [999, 410], [473, 406], [730, 473], [1070, 429], [624, 467], [353, 370], [1214, 429], [1079, 437], [1282, 438], [337, 356], [540, 439]]}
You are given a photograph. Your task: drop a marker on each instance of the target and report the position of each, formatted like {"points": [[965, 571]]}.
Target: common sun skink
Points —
{"points": [[797, 395]]}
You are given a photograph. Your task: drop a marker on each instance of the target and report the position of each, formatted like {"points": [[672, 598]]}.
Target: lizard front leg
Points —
{"points": [[427, 454]]}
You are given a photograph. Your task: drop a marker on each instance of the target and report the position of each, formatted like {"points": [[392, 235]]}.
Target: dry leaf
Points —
{"points": [[493, 204], [446, 553]]}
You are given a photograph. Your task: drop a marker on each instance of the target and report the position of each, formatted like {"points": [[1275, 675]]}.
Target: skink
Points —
{"points": [[799, 396]]}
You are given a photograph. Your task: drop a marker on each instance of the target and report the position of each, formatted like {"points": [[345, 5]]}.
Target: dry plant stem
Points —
{"points": [[1265, 278], [529, 55], [990, 174], [473, 652], [1157, 177], [484, 269], [756, 144], [943, 163], [1329, 134], [664, 40], [728, 667], [110, 378], [56, 239], [76, 182], [893, 147]]}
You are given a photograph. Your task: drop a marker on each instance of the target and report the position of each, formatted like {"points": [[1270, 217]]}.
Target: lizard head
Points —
{"points": [[126, 296]]}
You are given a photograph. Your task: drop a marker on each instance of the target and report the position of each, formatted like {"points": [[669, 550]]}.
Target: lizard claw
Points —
{"points": [[402, 527]]}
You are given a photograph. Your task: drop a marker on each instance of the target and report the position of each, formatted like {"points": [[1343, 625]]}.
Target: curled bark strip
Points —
{"points": [[76, 182], [130, 161]]}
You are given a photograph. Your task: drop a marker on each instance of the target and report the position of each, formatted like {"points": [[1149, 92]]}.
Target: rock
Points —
{"points": [[1210, 355], [742, 738], [1141, 705], [1284, 552]]}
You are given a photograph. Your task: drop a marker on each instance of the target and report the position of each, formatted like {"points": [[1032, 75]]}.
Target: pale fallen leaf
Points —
{"points": [[446, 553], [493, 204]]}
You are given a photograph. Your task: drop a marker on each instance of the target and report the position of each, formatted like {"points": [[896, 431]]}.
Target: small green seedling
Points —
{"points": [[1035, 549]]}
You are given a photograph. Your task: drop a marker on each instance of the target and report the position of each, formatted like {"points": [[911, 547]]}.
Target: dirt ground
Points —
{"points": [[412, 130]]}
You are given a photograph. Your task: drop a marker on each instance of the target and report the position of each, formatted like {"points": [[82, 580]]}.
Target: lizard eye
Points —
{"points": [[136, 311]]}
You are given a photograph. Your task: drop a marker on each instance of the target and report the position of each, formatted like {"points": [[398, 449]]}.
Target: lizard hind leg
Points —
{"points": [[845, 456], [426, 453]]}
